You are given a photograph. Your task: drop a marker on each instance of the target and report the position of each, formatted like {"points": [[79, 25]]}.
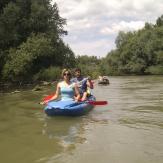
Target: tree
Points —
{"points": [[138, 52], [122, 38], [159, 21], [30, 38]]}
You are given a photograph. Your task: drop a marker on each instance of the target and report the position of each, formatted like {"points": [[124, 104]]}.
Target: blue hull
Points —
{"points": [[69, 108]]}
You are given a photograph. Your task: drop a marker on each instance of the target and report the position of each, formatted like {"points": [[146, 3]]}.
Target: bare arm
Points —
{"points": [[56, 95], [77, 94], [90, 84]]}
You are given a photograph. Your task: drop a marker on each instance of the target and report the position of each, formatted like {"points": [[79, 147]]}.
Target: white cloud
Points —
{"points": [[122, 26], [94, 24], [92, 47]]}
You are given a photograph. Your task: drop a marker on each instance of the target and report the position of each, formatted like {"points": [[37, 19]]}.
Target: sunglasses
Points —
{"points": [[67, 74]]}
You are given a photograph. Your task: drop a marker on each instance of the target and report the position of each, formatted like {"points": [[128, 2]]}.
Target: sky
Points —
{"points": [[93, 25]]}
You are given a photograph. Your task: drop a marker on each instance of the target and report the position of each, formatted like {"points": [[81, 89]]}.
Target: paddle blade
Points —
{"points": [[48, 97], [98, 102]]}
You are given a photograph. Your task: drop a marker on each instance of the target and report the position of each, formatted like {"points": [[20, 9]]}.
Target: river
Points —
{"points": [[127, 130]]}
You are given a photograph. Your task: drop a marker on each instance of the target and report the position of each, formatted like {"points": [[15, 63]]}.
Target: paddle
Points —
{"points": [[48, 97], [98, 102], [90, 102], [95, 102]]}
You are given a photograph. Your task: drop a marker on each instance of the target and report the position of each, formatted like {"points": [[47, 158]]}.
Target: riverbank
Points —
{"points": [[16, 88]]}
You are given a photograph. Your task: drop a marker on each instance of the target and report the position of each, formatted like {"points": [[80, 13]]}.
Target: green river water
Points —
{"points": [[127, 130]]}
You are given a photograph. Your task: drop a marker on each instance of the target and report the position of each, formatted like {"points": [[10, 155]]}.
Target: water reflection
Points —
{"points": [[68, 131]]}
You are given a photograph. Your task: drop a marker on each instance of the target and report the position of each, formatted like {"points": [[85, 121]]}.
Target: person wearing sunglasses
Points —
{"points": [[67, 90], [84, 84]]}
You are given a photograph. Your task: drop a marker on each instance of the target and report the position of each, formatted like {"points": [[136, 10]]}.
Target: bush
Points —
{"points": [[22, 61], [155, 70], [49, 74]]}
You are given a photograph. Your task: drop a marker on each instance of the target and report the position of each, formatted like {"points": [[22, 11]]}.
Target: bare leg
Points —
{"points": [[84, 96]]}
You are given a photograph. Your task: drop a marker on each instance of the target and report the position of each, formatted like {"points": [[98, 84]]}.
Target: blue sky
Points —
{"points": [[93, 25]]}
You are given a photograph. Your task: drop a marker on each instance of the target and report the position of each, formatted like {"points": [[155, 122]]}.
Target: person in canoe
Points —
{"points": [[67, 90], [103, 80], [84, 84]]}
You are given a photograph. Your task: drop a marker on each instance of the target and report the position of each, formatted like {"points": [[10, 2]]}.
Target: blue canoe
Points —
{"points": [[69, 108]]}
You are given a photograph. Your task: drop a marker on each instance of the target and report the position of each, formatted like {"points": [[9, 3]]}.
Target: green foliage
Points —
{"points": [[89, 65], [136, 51], [64, 55], [159, 57], [30, 39], [159, 21], [155, 70], [109, 65], [136, 67], [8, 26], [23, 61], [49, 74], [122, 38]]}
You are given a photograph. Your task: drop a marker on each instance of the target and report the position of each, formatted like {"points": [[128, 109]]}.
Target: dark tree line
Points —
{"points": [[30, 39]]}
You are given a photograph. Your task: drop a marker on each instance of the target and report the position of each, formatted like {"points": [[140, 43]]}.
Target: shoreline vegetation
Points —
{"points": [[39, 86], [32, 49]]}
